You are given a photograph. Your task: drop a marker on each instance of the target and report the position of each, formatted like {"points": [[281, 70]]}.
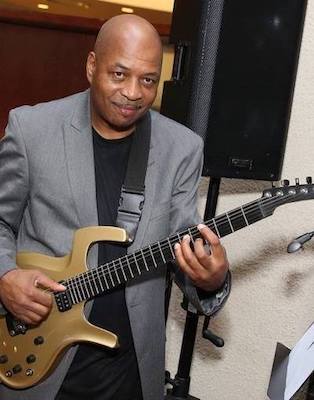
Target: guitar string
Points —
{"points": [[107, 269]]}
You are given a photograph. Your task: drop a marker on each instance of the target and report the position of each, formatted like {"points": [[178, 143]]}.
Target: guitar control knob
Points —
{"points": [[38, 340], [8, 374], [31, 358], [3, 359], [16, 369]]}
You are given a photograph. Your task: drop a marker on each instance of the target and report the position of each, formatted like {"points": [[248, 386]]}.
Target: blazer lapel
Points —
{"points": [[81, 172], [80, 161]]}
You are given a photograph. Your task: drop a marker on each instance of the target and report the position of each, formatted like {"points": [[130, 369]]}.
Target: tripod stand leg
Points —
{"points": [[181, 382]]}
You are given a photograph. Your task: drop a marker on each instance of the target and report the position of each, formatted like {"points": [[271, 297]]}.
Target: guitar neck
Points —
{"points": [[114, 273]]}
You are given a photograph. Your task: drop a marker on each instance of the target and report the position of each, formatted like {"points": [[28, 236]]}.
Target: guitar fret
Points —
{"points": [[138, 268], [131, 272], [94, 283], [162, 254], [80, 294], [252, 214], [71, 295], [244, 216], [99, 279], [73, 290], [116, 271], [216, 228], [109, 273], [153, 258], [122, 269], [170, 247], [144, 259], [238, 221], [232, 229], [81, 290], [224, 225], [103, 274], [85, 287], [191, 236]]}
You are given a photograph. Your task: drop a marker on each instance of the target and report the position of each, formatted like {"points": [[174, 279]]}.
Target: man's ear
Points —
{"points": [[90, 66]]}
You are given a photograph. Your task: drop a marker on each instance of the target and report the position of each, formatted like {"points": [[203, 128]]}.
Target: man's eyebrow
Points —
{"points": [[151, 74], [121, 66]]}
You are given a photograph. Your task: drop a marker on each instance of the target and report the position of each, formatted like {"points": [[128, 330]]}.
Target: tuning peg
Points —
{"points": [[285, 182], [297, 181], [309, 180]]}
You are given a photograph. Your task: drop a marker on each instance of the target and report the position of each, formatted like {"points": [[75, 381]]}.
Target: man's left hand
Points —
{"points": [[206, 266]]}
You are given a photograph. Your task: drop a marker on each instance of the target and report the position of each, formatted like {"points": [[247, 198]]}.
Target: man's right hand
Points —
{"points": [[21, 292]]}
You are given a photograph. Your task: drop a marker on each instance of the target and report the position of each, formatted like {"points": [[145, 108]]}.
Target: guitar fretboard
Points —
{"points": [[114, 273]]}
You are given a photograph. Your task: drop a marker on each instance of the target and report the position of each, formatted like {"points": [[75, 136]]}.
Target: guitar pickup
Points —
{"points": [[63, 301]]}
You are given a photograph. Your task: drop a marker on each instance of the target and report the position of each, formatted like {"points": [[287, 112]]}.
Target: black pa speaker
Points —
{"points": [[233, 79]]}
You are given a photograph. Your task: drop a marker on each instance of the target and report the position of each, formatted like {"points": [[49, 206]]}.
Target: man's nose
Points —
{"points": [[132, 90]]}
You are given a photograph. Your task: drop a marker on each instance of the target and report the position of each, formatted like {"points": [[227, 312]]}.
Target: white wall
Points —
{"points": [[272, 297]]}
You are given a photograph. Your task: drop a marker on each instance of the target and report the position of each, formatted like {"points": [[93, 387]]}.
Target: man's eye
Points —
{"points": [[118, 75], [149, 81]]}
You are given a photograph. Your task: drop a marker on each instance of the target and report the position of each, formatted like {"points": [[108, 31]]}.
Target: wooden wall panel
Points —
{"points": [[43, 56], [39, 64]]}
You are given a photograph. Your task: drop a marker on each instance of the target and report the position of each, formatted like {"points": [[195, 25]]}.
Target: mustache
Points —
{"points": [[129, 104]]}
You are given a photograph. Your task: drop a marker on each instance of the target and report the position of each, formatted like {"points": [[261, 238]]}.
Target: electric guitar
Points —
{"points": [[29, 354]]}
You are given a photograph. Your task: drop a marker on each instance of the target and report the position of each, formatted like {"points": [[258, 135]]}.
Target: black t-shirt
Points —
{"points": [[99, 373]]}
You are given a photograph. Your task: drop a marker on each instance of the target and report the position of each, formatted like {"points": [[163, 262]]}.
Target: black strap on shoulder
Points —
{"points": [[132, 192]]}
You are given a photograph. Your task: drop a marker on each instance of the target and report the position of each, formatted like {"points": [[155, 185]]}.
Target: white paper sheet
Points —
{"points": [[301, 363]]}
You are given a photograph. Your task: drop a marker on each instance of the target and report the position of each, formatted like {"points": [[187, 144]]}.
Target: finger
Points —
{"points": [[185, 267], [38, 308], [30, 317], [212, 239], [41, 296], [201, 252], [190, 256]]}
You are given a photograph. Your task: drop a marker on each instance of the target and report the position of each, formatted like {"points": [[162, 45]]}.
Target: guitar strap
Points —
{"points": [[132, 191]]}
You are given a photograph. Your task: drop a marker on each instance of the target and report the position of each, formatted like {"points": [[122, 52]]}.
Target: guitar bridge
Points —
{"points": [[63, 301], [15, 326]]}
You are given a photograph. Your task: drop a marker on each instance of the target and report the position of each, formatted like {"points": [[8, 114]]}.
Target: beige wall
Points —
{"points": [[273, 291], [166, 71]]}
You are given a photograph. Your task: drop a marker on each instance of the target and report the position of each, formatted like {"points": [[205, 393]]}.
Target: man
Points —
{"points": [[62, 167]]}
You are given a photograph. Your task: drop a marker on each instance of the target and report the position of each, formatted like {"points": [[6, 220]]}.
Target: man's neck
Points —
{"points": [[109, 132]]}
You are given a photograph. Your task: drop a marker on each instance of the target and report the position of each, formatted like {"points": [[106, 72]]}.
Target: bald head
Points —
{"points": [[126, 28], [123, 72]]}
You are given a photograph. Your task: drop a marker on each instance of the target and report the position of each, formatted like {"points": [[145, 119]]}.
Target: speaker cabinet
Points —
{"points": [[233, 79]]}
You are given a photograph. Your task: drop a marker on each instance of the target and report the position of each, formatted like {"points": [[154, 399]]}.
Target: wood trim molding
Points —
{"points": [[62, 22]]}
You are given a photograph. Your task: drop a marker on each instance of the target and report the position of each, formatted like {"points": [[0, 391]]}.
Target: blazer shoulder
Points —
{"points": [[50, 111], [173, 131]]}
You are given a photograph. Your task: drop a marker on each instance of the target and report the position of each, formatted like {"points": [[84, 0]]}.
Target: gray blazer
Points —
{"points": [[48, 191]]}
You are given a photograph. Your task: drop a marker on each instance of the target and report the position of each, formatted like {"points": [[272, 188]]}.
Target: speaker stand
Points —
{"points": [[181, 383]]}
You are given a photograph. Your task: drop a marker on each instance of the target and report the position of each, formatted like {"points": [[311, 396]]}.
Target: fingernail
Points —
{"points": [[201, 226], [176, 246], [186, 238]]}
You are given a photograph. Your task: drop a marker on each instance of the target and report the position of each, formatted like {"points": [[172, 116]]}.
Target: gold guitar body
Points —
{"points": [[26, 359]]}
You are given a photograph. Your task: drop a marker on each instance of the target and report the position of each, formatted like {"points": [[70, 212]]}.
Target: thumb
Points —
{"points": [[44, 282]]}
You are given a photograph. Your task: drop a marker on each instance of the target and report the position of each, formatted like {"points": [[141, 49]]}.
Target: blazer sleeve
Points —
{"points": [[184, 214], [14, 189]]}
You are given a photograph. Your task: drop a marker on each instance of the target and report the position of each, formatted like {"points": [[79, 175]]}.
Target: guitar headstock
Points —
{"points": [[277, 196], [288, 193]]}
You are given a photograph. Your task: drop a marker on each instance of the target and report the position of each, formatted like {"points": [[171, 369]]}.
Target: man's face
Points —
{"points": [[124, 81]]}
